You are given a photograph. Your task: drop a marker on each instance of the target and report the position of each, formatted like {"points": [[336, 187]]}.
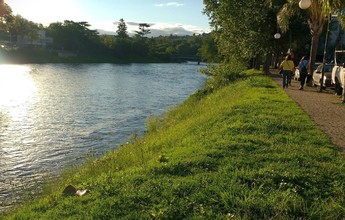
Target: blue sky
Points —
{"points": [[166, 17]]}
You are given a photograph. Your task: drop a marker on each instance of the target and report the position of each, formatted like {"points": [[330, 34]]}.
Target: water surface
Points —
{"points": [[52, 115]]}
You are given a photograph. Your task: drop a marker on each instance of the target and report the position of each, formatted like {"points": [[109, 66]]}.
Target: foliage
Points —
{"points": [[19, 26], [242, 29], [78, 39], [209, 50], [122, 29], [221, 75], [237, 153], [74, 36], [317, 15], [114, 49], [143, 31], [30, 55], [5, 14]]}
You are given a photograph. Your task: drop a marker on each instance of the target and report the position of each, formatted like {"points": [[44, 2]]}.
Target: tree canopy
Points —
{"points": [[243, 29], [122, 29], [316, 15], [143, 30], [5, 14], [73, 36]]}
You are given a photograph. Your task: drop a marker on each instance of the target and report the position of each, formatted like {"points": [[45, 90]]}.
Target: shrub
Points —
{"points": [[221, 75]]}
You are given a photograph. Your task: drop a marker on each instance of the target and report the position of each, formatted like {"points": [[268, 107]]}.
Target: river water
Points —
{"points": [[53, 115]]}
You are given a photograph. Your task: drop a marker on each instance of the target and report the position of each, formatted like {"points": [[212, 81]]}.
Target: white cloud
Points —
{"points": [[174, 4], [132, 26], [132, 23], [159, 29], [176, 29], [169, 4]]}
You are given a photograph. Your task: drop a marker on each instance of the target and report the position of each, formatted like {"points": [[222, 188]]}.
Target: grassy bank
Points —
{"points": [[246, 151]]}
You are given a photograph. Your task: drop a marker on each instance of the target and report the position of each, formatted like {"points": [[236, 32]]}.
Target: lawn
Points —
{"points": [[246, 151]]}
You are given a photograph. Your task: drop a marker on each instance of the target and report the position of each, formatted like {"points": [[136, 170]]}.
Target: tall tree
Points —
{"points": [[243, 29], [317, 15], [122, 29], [143, 31]]}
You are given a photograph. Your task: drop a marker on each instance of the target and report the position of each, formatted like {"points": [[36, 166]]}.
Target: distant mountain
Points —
{"points": [[104, 32], [176, 31]]}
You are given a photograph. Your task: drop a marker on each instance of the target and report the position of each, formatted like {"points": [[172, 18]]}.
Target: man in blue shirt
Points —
{"points": [[303, 71]]}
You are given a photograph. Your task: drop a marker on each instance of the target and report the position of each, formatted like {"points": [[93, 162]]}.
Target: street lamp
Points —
{"points": [[305, 4], [277, 36]]}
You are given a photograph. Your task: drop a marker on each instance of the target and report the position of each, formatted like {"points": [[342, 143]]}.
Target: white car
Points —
{"points": [[338, 71], [327, 78]]}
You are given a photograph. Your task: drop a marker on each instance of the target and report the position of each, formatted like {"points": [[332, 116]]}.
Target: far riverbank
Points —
{"points": [[41, 56]]}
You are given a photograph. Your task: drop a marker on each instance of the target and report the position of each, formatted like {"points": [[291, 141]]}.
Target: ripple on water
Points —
{"points": [[55, 114]]}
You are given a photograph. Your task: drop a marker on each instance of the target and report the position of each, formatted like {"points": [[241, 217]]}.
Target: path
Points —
{"points": [[324, 108]]}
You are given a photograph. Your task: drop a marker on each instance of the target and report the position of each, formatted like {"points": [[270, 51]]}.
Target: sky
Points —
{"points": [[180, 17]]}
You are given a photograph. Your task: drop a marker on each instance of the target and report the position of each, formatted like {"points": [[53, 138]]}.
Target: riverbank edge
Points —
{"points": [[236, 152], [41, 56]]}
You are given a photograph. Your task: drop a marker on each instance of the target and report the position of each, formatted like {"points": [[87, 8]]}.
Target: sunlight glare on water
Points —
{"points": [[18, 93], [55, 115], [17, 89]]}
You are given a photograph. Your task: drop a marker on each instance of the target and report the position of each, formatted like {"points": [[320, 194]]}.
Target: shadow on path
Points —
{"points": [[325, 108]]}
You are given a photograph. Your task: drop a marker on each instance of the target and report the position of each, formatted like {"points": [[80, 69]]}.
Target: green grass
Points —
{"points": [[246, 151]]}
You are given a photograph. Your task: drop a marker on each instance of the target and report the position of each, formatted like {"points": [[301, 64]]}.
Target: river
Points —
{"points": [[53, 115]]}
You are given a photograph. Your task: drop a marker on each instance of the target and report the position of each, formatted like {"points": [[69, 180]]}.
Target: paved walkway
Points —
{"points": [[325, 108]]}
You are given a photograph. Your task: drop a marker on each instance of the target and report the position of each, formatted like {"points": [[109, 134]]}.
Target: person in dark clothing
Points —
{"points": [[303, 71]]}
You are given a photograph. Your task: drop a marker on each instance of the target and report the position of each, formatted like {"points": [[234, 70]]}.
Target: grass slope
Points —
{"points": [[246, 151]]}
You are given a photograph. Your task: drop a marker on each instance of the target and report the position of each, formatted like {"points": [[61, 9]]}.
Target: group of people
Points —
{"points": [[287, 68]]}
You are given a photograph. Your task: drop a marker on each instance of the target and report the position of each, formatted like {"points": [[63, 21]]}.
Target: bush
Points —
{"points": [[221, 75]]}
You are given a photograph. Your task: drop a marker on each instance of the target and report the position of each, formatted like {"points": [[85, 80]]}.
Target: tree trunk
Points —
{"points": [[316, 28], [257, 62], [267, 64], [313, 51]]}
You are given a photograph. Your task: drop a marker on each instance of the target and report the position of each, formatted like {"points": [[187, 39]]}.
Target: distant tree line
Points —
{"points": [[78, 38]]}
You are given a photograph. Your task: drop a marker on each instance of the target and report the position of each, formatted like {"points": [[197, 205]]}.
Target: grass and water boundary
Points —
{"points": [[241, 151]]}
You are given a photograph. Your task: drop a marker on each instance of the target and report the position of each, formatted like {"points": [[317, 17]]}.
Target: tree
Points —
{"points": [[74, 36], [242, 29], [5, 15], [122, 29], [143, 31], [208, 50], [19, 26], [317, 16]]}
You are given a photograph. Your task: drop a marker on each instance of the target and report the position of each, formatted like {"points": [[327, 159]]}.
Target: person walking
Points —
{"points": [[303, 71], [287, 67]]}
